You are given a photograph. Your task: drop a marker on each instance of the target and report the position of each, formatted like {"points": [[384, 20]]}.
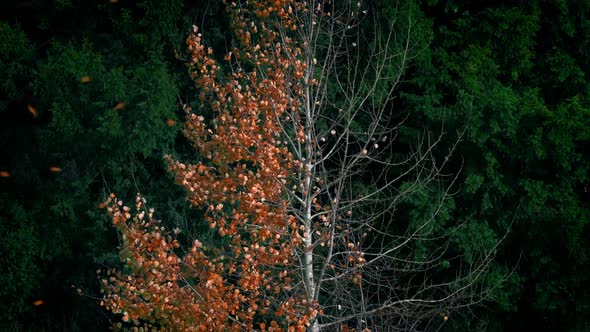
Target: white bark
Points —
{"points": [[355, 226]]}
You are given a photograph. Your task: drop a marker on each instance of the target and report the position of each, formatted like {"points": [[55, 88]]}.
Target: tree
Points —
{"points": [[300, 174]]}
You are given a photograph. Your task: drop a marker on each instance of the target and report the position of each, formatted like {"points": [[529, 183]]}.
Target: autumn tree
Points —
{"points": [[299, 174]]}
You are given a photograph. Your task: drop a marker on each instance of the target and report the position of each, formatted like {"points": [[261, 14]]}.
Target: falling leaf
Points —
{"points": [[114, 1], [33, 111], [170, 122], [120, 105], [54, 169], [38, 303], [4, 174], [85, 79]]}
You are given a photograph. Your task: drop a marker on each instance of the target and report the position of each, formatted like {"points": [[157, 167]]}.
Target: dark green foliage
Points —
{"points": [[103, 81], [510, 77], [16, 55]]}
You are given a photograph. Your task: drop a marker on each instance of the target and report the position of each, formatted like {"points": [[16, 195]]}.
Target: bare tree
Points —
{"points": [[356, 261]]}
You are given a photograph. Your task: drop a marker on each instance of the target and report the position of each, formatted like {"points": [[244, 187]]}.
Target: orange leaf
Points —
{"points": [[170, 122], [33, 111], [54, 169], [120, 105], [4, 174], [85, 79], [38, 303]]}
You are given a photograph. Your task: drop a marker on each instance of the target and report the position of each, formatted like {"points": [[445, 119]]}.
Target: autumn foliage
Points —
{"points": [[240, 183]]}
